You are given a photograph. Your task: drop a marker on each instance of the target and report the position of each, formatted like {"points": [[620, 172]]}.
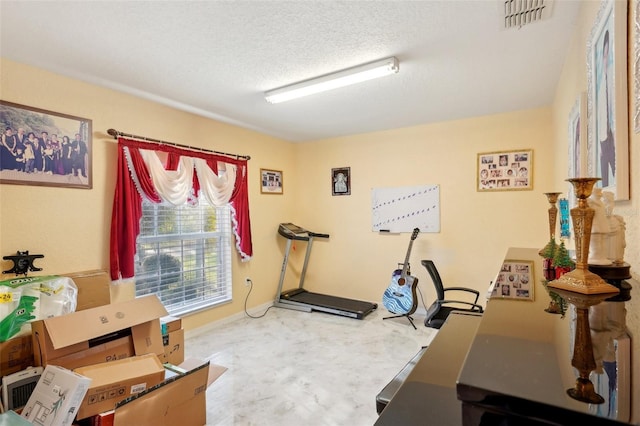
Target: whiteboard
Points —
{"points": [[402, 209]]}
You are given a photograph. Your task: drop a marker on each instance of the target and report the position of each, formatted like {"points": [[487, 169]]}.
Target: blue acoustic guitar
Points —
{"points": [[400, 296]]}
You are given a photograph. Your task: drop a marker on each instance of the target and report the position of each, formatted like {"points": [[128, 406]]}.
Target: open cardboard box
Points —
{"points": [[114, 381], [16, 354], [179, 400], [100, 334]]}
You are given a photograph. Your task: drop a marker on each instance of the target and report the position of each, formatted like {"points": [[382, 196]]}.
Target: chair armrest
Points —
{"points": [[473, 306], [468, 290]]}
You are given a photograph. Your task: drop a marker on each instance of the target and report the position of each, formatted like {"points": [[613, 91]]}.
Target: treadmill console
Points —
{"points": [[295, 232]]}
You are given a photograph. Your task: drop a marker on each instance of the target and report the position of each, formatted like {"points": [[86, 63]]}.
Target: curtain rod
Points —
{"points": [[115, 134]]}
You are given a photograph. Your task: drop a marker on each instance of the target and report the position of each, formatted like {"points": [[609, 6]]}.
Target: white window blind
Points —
{"points": [[184, 255]]}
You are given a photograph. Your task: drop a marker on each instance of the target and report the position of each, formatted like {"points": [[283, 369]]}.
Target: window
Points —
{"points": [[184, 255]]}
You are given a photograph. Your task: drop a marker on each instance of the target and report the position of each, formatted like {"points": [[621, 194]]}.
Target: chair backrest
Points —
{"points": [[435, 277]]}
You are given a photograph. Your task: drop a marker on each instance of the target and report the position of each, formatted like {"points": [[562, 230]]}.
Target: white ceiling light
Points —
{"points": [[334, 80]]}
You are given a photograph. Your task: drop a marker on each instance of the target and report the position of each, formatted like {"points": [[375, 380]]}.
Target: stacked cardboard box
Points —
{"points": [[112, 382], [101, 334], [172, 339], [93, 290]]}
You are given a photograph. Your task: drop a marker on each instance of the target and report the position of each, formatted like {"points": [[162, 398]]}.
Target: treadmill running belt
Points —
{"points": [[326, 301]]}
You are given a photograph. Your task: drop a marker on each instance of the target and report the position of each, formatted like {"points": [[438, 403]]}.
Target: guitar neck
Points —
{"points": [[405, 266]]}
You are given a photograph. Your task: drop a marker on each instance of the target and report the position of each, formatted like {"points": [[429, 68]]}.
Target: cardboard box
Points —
{"points": [[94, 288], [173, 347], [79, 335], [170, 324], [179, 400], [16, 354], [56, 398], [114, 381]]}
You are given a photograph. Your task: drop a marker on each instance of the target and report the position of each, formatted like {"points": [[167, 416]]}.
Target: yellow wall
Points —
{"points": [[476, 227], [573, 81], [71, 226]]}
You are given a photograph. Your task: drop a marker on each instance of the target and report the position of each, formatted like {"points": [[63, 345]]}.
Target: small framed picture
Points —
{"points": [[505, 171], [514, 281], [271, 181], [44, 148], [341, 181]]}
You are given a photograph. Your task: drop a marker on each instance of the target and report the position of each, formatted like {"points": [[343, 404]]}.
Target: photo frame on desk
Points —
{"points": [[44, 148], [271, 182], [505, 170], [608, 146], [515, 281]]}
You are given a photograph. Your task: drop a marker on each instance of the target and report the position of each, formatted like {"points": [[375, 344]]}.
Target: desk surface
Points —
{"points": [[428, 395], [520, 359], [516, 358]]}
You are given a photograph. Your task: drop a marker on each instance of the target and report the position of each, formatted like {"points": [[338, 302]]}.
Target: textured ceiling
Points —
{"points": [[216, 58]]}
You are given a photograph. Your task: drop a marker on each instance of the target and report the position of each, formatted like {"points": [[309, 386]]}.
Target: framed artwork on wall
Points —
{"points": [[44, 148], [341, 181], [636, 64], [608, 146], [271, 182], [577, 131], [515, 281], [505, 170]]}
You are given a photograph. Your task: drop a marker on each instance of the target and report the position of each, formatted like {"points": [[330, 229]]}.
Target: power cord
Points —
{"points": [[247, 298]]}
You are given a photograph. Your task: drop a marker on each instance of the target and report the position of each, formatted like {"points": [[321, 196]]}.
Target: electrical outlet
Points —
{"points": [[247, 282]]}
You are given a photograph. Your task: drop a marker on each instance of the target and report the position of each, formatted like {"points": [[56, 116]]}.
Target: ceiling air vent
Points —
{"points": [[518, 13]]}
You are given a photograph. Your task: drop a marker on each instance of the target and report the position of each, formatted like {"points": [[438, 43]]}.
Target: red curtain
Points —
{"points": [[134, 181]]}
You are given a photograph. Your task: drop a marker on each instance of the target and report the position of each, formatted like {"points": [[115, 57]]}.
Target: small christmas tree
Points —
{"points": [[549, 250], [561, 258]]}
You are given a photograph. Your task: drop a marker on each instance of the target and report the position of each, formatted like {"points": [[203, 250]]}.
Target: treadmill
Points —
{"points": [[302, 300]]}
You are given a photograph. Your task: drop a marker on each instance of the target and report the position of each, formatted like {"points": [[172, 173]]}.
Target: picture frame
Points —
{"points": [[341, 181], [636, 65], [44, 148], [271, 182], [608, 145], [505, 170], [515, 281], [577, 130]]}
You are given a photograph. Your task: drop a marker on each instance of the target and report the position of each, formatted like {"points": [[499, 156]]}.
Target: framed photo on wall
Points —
{"points": [[608, 156], [505, 170], [271, 182], [515, 281], [44, 148], [341, 181]]}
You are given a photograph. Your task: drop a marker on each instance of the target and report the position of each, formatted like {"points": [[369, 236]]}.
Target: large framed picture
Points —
{"points": [[515, 281], [44, 148], [505, 170], [271, 181], [608, 156], [341, 181]]}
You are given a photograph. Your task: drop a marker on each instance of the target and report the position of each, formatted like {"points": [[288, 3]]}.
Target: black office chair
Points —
{"points": [[440, 309]]}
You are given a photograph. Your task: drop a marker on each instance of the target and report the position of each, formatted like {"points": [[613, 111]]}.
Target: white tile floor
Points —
{"points": [[297, 368]]}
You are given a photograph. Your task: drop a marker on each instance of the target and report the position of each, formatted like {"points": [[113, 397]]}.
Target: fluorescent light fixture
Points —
{"points": [[334, 80]]}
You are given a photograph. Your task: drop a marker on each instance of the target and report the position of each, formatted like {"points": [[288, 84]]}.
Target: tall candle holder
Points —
{"points": [[552, 197], [581, 280]]}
